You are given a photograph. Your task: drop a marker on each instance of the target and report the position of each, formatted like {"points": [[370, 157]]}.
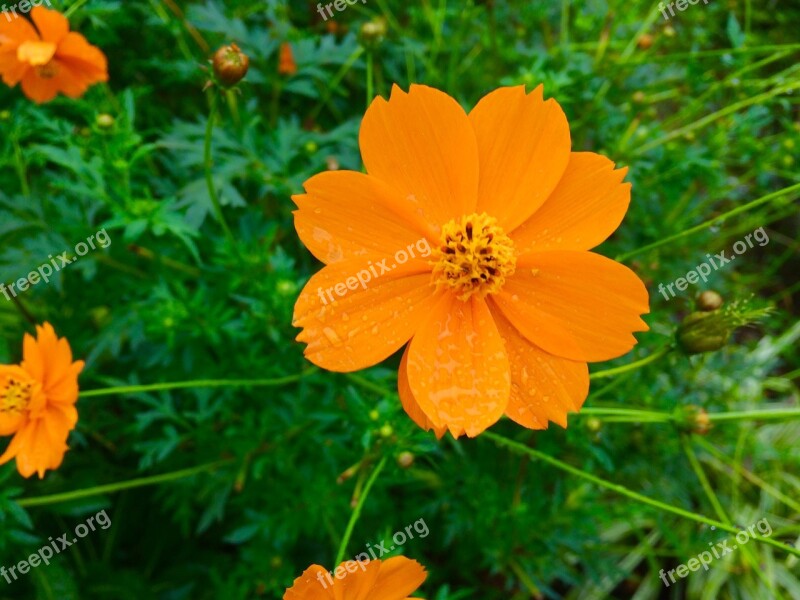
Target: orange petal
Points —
{"points": [[15, 32], [543, 387], [11, 420], [355, 580], [52, 25], [457, 366], [87, 61], [399, 577], [577, 305], [38, 446], [367, 323], [313, 584], [586, 207], [524, 146], [410, 404], [345, 214], [422, 145]]}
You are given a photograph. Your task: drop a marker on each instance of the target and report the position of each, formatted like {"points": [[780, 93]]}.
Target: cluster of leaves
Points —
{"points": [[700, 108]]}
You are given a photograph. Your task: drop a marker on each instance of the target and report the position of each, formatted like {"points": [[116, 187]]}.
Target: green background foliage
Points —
{"points": [[703, 109]]}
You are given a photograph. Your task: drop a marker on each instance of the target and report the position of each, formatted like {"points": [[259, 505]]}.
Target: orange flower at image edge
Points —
{"points": [[48, 59], [37, 402], [508, 305], [392, 579]]}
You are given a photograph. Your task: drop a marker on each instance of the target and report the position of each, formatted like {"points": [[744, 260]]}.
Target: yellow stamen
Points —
{"points": [[475, 257], [15, 394]]}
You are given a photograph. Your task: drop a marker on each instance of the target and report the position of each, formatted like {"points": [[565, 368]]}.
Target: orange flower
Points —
{"points": [[286, 62], [37, 402], [469, 236], [48, 59], [392, 579]]}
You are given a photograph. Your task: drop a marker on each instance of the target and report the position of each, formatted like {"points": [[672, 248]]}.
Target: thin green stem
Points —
{"points": [[71, 10], [195, 383], [705, 225], [119, 486], [19, 164], [208, 164], [718, 508], [757, 415], [623, 491], [348, 532], [370, 77], [634, 365]]}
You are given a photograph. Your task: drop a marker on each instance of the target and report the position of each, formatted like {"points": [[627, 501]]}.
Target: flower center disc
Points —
{"points": [[14, 394], [475, 257]]}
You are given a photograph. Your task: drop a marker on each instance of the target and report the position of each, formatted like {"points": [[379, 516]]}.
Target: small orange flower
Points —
{"points": [[469, 236], [286, 62], [48, 59], [37, 402], [392, 579]]}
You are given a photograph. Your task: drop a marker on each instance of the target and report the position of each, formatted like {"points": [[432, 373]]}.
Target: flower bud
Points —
{"points": [[645, 42], [708, 301], [709, 331], [373, 32], [405, 460], [104, 121], [286, 62], [230, 65], [692, 419]]}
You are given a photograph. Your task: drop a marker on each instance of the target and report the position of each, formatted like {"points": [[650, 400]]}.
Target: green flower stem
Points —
{"points": [[348, 532], [623, 491], [121, 485], [195, 383], [208, 163], [74, 7], [705, 225], [636, 415], [757, 415], [718, 508], [634, 365], [708, 119], [723, 462]]}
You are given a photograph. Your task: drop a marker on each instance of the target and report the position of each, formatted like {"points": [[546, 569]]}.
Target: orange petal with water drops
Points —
{"points": [[52, 25], [367, 323], [345, 214], [524, 147], [410, 404], [543, 387], [309, 586], [586, 207], [577, 305], [458, 368], [398, 577], [421, 143]]}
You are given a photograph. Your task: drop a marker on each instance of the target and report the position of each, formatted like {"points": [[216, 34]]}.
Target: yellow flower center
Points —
{"points": [[15, 394], [475, 257]]}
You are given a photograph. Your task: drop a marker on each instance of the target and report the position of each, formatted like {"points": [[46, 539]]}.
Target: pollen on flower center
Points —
{"points": [[15, 394], [475, 257]]}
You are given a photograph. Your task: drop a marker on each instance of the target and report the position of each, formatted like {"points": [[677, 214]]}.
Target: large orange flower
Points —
{"points": [[392, 579], [48, 59], [37, 402], [506, 306]]}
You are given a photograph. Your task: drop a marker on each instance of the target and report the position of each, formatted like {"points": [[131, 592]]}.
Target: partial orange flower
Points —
{"points": [[392, 579], [469, 236], [48, 59], [286, 62], [37, 402]]}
